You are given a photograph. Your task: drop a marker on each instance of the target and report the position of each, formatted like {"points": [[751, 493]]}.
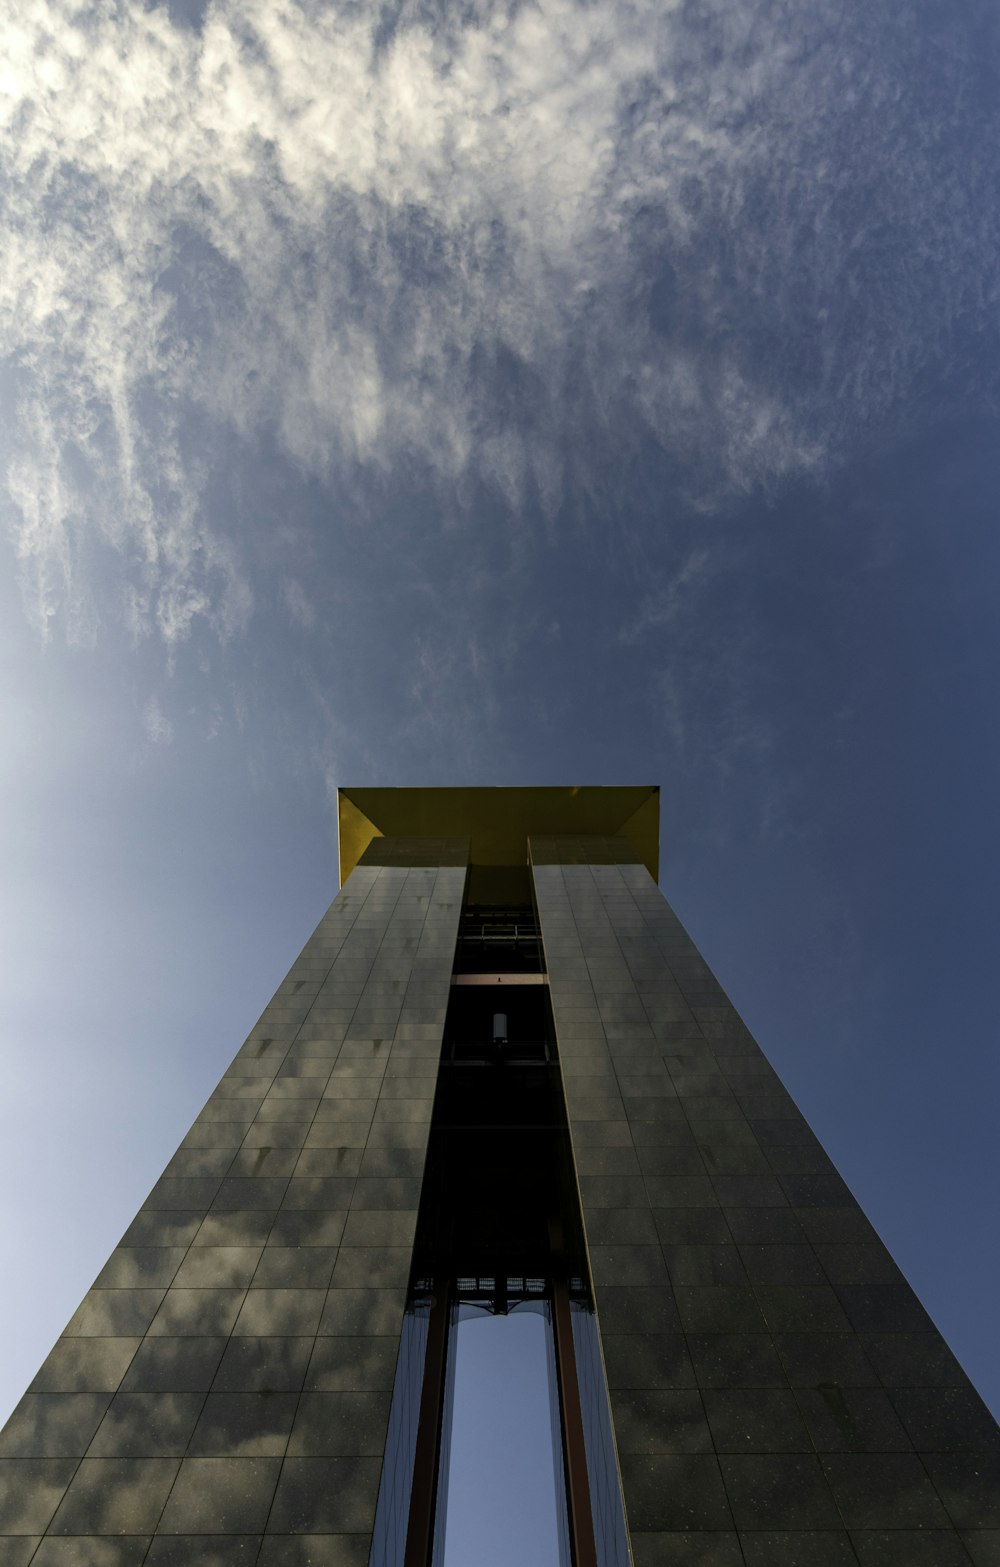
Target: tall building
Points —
{"points": [[500, 1081]]}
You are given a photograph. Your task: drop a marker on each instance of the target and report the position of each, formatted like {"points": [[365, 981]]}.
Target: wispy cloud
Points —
{"points": [[661, 606], [159, 729], [506, 250], [300, 607]]}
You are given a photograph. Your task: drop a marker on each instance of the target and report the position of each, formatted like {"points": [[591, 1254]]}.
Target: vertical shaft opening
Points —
{"points": [[498, 1449], [501, 1490]]}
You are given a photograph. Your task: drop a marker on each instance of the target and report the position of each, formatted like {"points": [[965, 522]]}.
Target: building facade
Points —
{"points": [[500, 1078]]}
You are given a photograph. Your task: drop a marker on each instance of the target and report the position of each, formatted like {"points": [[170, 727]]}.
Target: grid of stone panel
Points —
{"points": [[779, 1395], [222, 1393]]}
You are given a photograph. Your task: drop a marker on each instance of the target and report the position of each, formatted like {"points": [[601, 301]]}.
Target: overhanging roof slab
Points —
{"points": [[498, 821]]}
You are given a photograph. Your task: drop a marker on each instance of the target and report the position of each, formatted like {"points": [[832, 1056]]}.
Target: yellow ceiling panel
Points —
{"points": [[498, 821]]}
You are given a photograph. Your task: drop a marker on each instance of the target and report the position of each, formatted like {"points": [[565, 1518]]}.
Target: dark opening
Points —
{"points": [[499, 1237]]}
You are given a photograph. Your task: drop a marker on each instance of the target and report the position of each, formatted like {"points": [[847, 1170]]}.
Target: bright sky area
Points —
{"points": [[499, 393], [501, 1449]]}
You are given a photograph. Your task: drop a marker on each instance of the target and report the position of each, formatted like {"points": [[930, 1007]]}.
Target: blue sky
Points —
{"points": [[491, 393], [501, 1426]]}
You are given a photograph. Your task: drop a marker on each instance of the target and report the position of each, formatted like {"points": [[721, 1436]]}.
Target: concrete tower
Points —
{"points": [[500, 1078]]}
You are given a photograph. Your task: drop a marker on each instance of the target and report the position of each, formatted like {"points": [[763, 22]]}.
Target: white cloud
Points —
{"points": [[660, 608], [298, 604], [506, 249], [159, 729]]}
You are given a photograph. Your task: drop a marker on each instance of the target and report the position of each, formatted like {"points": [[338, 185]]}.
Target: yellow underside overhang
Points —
{"points": [[498, 822]]}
